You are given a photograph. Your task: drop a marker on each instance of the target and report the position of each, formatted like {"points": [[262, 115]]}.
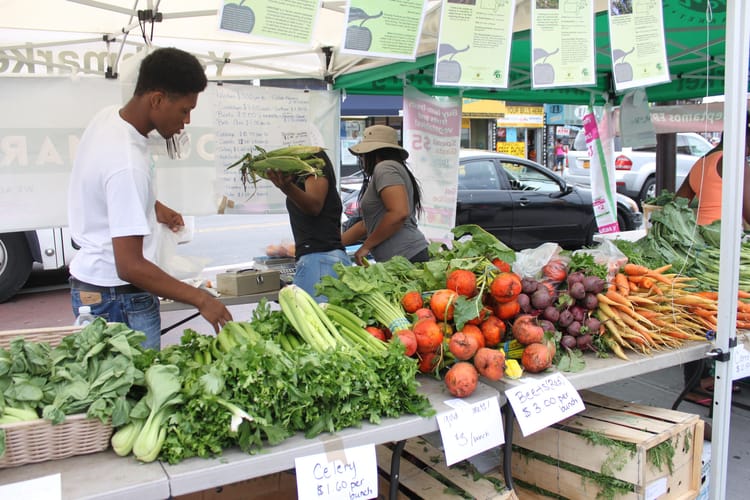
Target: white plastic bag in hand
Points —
{"points": [[179, 266]]}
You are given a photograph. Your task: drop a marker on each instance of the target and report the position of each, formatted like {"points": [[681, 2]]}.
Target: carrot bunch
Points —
{"points": [[649, 309], [743, 309]]}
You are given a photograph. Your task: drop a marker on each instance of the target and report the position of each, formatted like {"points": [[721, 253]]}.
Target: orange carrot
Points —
{"points": [[743, 306], [647, 282], [637, 279], [743, 316], [743, 325], [709, 295], [660, 270], [704, 313], [619, 298], [676, 334], [622, 284], [634, 269], [659, 277], [647, 313], [743, 294]]}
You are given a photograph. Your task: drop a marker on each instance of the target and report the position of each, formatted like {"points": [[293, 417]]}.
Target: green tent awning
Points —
{"points": [[695, 43]]}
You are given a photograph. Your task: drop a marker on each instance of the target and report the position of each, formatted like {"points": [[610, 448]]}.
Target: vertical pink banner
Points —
{"points": [[602, 173], [432, 135]]}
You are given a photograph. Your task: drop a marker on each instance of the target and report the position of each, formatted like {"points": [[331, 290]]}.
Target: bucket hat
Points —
{"points": [[378, 137]]}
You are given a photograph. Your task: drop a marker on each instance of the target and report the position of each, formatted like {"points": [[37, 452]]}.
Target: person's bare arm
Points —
{"points": [[685, 191], [355, 233], [139, 271], [311, 199], [396, 202]]}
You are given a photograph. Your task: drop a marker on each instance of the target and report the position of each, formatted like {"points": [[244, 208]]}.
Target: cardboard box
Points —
{"points": [[279, 486], [423, 474], [563, 461], [704, 494], [247, 282]]}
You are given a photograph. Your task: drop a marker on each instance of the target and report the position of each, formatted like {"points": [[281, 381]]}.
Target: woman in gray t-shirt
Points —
{"points": [[390, 200]]}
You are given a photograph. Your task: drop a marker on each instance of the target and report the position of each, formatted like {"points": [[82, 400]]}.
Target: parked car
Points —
{"points": [[521, 202], [635, 168]]}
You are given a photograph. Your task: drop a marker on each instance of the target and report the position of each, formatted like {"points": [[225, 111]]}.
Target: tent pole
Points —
{"points": [[735, 109]]}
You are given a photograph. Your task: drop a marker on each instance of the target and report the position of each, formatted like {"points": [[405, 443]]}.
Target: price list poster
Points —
{"points": [[562, 43], [432, 135], [383, 28], [638, 47], [246, 117], [474, 43], [292, 21]]}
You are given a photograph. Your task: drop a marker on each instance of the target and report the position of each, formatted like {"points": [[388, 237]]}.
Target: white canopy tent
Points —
{"points": [[39, 30], [44, 27]]}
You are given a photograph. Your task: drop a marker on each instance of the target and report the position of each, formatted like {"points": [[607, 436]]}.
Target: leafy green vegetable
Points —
{"points": [[584, 262], [666, 196], [163, 384], [472, 241]]}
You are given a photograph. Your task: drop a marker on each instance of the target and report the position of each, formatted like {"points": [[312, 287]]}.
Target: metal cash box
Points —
{"points": [[247, 282]]}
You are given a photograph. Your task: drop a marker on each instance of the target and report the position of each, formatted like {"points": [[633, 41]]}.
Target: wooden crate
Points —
{"points": [[52, 335], [423, 474], [561, 460], [278, 486]]}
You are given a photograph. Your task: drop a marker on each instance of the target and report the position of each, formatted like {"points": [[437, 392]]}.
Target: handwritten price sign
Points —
{"points": [[541, 403], [342, 474], [741, 362], [471, 429]]}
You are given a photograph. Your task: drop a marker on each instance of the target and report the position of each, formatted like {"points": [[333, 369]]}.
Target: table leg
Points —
{"points": [[395, 464], [508, 446], [167, 329], [691, 383]]}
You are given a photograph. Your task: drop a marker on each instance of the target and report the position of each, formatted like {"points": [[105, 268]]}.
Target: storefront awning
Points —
{"points": [[482, 108]]}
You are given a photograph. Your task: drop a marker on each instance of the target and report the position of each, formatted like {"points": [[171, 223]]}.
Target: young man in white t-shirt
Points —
{"points": [[112, 207]]}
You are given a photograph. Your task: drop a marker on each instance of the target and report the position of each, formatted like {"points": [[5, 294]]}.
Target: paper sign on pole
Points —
{"points": [[636, 129], [599, 142], [292, 22], [432, 135], [340, 474], [562, 43], [741, 362], [469, 430], [541, 403], [474, 44], [383, 28], [638, 47]]}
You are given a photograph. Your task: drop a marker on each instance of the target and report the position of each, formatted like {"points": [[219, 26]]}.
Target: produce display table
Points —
{"points": [[105, 475], [98, 475], [228, 300], [600, 371]]}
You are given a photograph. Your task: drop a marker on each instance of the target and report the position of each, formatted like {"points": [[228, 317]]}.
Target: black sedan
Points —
{"points": [[522, 203]]}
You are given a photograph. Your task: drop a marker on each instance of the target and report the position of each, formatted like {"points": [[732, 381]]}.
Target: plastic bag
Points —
{"points": [[529, 262], [609, 255], [179, 266]]}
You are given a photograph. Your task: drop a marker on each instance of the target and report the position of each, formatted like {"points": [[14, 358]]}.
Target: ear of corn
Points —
{"points": [[302, 152], [286, 164], [294, 160]]}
